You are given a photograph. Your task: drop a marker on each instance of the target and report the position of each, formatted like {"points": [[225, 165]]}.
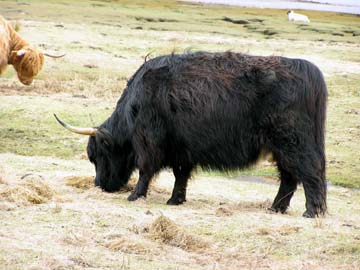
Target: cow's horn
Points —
{"points": [[21, 52], [78, 130], [54, 55]]}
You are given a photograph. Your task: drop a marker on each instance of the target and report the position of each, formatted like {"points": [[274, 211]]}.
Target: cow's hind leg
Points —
{"points": [[182, 175], [287, 188], [310, 170], [306, 166], [315, 194]]}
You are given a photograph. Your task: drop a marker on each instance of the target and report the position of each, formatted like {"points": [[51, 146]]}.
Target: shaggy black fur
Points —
{"points": [[217, 111]]}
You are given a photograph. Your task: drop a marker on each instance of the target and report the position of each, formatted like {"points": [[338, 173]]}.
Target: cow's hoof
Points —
{"points": [[133, 197], [282, 210], [309, 214], [175, 201], [272, 209]]}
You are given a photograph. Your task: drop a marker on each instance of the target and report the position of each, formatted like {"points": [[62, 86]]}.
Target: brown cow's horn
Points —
{"points": [[78, 130], [54, 55]]}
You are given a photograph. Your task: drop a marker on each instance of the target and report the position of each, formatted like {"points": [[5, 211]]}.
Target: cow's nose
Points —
{"points": [[27, 81]]}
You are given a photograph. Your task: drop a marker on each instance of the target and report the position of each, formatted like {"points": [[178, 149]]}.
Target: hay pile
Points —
{"points": [[87, 182], [31, 191], [166, 231], [81, 182]]}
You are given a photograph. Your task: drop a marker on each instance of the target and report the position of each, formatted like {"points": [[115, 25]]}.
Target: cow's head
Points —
{"points": [[27, 62], [114, 163]]}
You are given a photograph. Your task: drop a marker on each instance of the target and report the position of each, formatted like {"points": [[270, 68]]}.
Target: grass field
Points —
{"points": [[105, 42]]}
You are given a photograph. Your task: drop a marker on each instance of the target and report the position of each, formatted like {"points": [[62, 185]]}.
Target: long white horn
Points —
{"points": [[54, 55], [78, 130]]}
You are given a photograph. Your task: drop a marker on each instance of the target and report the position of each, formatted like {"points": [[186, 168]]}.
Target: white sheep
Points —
{"points": [[295, 17]]}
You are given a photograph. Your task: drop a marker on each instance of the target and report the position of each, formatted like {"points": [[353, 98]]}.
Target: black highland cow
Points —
{"points": [[216, 110]]}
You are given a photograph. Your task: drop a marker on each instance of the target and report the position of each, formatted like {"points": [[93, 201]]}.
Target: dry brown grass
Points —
{"points": [[31, 191], [229, 210], [279, 231], [223, 212], [166, 231], [129, 246], [252, 205]]}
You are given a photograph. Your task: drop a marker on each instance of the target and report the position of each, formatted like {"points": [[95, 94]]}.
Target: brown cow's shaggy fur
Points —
{"points": [[27, 65]]}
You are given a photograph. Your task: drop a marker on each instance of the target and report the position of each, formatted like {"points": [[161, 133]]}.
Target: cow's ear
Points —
{"points": [[104, 138]]}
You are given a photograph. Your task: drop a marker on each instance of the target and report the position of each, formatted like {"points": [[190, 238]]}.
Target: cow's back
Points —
{"points": [[216, 109]]}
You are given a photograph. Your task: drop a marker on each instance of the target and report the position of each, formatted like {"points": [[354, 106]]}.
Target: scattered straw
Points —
{"points": [[229, 210], [283, 230], [31, 191], [128, 246], [264, 231], [63, 199], [82, 261], [253, 205], [2, 181], [319, 223], [166, 231], [287, 229], [81, 182], [223, 212], [75, 239]]}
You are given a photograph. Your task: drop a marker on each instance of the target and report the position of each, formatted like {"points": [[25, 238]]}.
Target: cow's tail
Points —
{"points": [[318, 86], [319, 95], [320, 115], [313, 102]]}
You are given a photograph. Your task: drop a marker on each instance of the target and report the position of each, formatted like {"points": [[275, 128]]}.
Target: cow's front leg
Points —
{"points": [[182, 175], [141, 186]]}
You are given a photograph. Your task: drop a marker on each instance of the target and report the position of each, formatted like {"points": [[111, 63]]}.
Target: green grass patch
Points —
{"points": [[29, 128]]}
